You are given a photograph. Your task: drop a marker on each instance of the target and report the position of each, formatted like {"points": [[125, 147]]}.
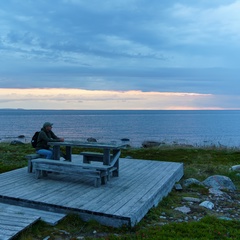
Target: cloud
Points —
{"points": [[127, 45], [87, 99]]}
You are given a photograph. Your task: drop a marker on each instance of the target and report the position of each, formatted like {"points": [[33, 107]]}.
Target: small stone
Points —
{"points": [[178, 187], [191, 181], [207, 204], [46, 238], [235, 168], [91, 139], [225, 218], [191, 199], [183, 209], [215, 191]]}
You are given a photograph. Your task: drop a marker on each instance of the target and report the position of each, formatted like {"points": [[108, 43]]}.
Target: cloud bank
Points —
{"points": [[123, 46]]}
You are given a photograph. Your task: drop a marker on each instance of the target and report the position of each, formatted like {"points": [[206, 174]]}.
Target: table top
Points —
{"points": [[88, 144]]}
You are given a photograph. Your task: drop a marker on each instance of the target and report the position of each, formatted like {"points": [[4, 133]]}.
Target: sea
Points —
{"points": [[187, 127]]}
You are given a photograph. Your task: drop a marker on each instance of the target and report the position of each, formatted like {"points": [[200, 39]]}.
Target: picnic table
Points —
{"points": [[100, 165], [106, 157]]}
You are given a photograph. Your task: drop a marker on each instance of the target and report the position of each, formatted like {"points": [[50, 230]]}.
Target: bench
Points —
{"points": [[101, 174], [92, 156], [29, 157]]}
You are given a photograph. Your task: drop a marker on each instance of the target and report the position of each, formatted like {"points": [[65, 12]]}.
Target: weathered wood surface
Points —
{"points": [[51, 218], [14, 219], [92, 156], [123, 200], [100, 173], [12, 223]]}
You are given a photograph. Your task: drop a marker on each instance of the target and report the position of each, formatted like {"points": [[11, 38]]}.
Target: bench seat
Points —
{"points": [[29, 157], [100, 173]]}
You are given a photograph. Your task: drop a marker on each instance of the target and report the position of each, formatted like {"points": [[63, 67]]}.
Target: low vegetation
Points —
{"points": [[198, 163]]}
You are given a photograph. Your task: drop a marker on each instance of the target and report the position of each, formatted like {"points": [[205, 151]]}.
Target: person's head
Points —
{"points": [[47, 126]]}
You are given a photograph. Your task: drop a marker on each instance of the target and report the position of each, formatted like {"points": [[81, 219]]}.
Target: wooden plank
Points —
{"points": [[114, 196], [32, 156], [138, 212], [150, 197], [51, 218], [71, 164], [123, 200], [11, 224], [99, 174], [133, 192]]}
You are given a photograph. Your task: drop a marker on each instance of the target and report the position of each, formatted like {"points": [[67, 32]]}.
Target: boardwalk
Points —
{"points": [[123, 200]]}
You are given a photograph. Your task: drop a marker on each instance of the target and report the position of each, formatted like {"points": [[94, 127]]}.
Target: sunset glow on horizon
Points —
{"points": [[77, 99]]}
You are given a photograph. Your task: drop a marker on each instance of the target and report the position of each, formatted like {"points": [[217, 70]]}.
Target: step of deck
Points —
{"points": [[15, 219]]}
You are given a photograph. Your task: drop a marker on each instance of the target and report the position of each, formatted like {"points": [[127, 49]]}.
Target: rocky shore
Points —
{"points": [[216, 196]]}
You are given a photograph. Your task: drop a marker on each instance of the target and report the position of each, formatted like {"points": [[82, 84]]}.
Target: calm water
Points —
{"points": [[183, 127]]}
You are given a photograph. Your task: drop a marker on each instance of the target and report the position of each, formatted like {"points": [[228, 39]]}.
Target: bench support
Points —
{"points": [[107, 159], [29, 157]]}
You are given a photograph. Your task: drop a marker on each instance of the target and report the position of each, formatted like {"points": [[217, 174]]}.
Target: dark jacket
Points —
{"points": [[45, 137]]}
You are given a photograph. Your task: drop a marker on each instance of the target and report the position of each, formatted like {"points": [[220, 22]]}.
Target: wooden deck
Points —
{"points": [[124, 200], [14, 219]]}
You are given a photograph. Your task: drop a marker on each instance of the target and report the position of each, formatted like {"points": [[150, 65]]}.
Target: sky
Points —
{"points": [[120, 54]]}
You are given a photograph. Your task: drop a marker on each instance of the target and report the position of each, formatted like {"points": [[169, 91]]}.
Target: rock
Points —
{"points": [[183, 209], [219, 182], [125, 139], [92, 139], [215, 192], [207, 204], [21, 136], [225, 218], [191, 181], [178, 187], [150, 144], [46, 238], [191, 199], [15, 142], [235, 168]]}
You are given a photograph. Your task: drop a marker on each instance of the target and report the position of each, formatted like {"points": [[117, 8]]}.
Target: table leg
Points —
{"points": [[56, 152], [116, 153], [106, 156], [69, 153]]}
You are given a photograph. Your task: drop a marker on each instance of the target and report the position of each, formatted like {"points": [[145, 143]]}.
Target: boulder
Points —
{"points": [[150, 144], [91, 139], [219, 182], [125, 139], [15, 142], [21, 136]]}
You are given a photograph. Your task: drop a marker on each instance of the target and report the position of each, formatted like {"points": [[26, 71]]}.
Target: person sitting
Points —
{"points": [[46, 135]]}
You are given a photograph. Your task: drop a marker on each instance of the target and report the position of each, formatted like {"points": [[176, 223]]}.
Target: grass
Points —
{"points": [[199, 163]]}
